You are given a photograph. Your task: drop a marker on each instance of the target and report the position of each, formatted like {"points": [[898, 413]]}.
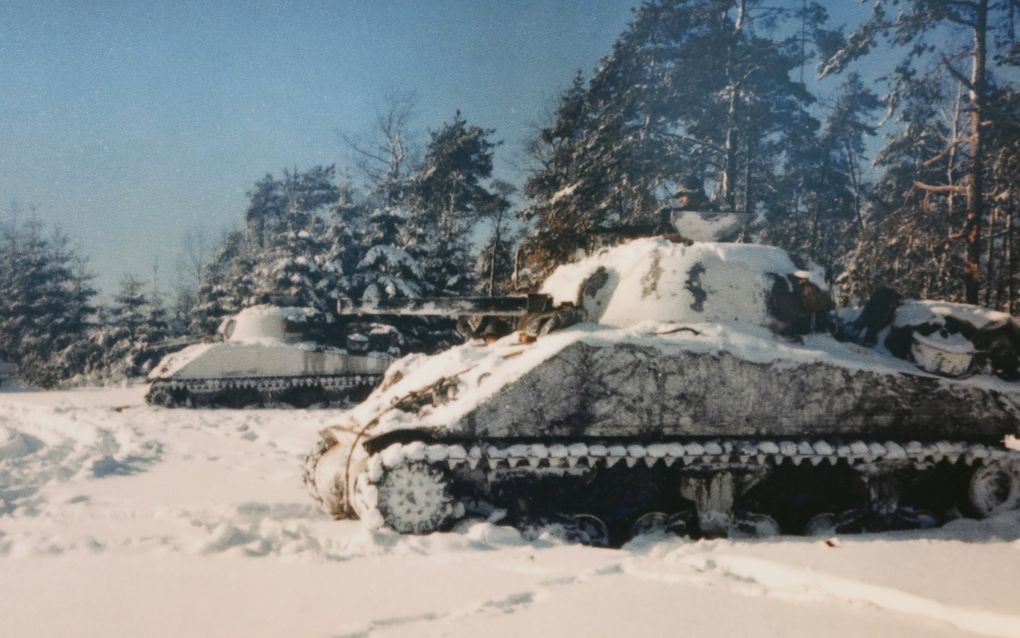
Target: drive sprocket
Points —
{"points": [[414, 498]]}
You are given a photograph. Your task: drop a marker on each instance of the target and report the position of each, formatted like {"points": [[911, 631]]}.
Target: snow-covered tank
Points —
{"points": [[687, 387], [263, 358]]}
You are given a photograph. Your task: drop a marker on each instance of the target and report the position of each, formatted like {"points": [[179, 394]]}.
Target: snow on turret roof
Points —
{"points": [[656, 279], [264, 323]]}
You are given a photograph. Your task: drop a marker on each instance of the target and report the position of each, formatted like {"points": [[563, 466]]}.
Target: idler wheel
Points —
{"points": [[414, 498], [660, 523], [993, 489]]}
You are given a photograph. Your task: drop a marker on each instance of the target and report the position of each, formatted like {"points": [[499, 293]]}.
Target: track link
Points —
{"points": [[712, 454]]}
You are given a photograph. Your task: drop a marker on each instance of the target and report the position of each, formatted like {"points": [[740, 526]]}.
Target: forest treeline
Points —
{"points": [[710, 88]]}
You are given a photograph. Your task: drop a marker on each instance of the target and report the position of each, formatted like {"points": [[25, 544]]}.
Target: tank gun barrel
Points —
{"points": [[177, 342], [510, 306]]}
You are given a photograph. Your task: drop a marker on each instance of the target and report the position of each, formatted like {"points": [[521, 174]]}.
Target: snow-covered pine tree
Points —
{"points": [[849, 125], [45, 304], [702, 87], [120, 337], [226, 285], [495, 265], [285, 221], [340, 253], [822, 183], [288, 271], [74, 351], [386, 269], [23, 304], [934, 37], [1003, 186], [136, 326], [907, 241], [450, 197], [913, 238], [281, 257], [386, 227], [561, 196]]}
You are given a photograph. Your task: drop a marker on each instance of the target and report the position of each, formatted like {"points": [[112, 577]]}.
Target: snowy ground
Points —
{"points": [[117, 519]]}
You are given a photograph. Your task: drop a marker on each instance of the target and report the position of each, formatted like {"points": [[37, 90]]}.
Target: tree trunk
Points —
{"points": [[748, 194], [1011, 260], [495, 251], [990, 256], [975, 204], [855, 182], [1002, 269], [728, 186]]}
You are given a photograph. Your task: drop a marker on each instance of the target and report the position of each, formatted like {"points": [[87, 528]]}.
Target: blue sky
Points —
{"points": [[129, 122]]}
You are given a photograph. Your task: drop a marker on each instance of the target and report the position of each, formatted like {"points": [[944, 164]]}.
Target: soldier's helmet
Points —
{"points": [[689, 185]]}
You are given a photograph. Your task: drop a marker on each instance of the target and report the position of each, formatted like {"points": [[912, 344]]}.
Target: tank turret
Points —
{"points": [[684, 387]]}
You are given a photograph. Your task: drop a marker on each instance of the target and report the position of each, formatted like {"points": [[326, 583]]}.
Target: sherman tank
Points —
{"points": [[671, 386], [263, 357]]}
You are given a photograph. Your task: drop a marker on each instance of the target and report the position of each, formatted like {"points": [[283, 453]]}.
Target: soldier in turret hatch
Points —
{"points": [[690, 196]]}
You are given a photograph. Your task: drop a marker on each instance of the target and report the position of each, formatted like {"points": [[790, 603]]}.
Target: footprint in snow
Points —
{"points": [[511, 603]]}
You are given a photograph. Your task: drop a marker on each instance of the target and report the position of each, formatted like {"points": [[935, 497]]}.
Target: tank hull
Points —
{"points": [[229, 360], [624, 427], [627, 390], [262, 363]]}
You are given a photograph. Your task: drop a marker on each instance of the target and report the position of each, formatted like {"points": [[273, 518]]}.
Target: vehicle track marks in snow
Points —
{"points": [[754, 576], [389, 623], [47, 445], [508, 604], [544, 592]]}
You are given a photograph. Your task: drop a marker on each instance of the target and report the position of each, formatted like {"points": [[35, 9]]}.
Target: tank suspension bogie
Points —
{"points": [[656, 522], [588, 529], [715, 495], [708, 487]]}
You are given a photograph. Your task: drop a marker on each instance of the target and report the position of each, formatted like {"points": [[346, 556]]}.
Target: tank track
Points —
{"points": [[303, 391], [308, 470], [704, 460]]}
